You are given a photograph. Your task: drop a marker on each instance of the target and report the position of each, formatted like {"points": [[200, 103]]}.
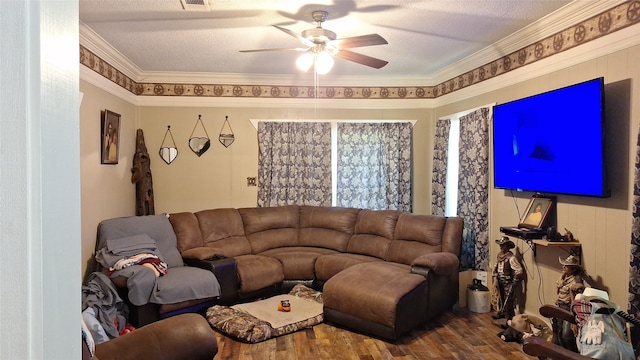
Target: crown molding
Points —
{"points": [[456, 85], [611, 43], [565, 17], [99, 46], [286, 103], [616, 41], [278, 80], [105, 84]]}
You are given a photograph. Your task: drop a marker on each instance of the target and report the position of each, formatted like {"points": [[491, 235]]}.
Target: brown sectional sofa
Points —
{"points": [[382, 272]]}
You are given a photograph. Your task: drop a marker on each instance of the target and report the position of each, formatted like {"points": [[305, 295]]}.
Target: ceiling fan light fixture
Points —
{"points": [[305, 61], [324, 62]]}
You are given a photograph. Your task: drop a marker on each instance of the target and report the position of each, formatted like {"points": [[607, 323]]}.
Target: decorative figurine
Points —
{"points": [[507, 276], [568, 286]]}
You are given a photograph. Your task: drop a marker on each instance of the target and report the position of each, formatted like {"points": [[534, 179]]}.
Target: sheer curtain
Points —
{"points": [[473, 189], [374, 165], [294, 163]]}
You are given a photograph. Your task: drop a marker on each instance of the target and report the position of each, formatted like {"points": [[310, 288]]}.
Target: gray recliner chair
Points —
{"points": [[150, 294]]}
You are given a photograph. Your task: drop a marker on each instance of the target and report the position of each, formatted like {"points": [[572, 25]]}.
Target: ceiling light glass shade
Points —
{"points": [[305, 61], [324, 62]]}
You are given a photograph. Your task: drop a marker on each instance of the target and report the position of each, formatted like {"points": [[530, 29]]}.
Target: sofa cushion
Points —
{"points": [[329, 227], [328, 265], [157, 227], [416, 235], [373, 232], [270, 227], [185, 226], [298, 263], [223, 229], [202, 253], [256, 272]]}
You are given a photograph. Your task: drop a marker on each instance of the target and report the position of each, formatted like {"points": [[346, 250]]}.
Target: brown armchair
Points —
{"points": [[186, 336]]}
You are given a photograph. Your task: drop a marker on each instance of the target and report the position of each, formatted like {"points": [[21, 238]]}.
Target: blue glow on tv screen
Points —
{"points": [[552, 142]]}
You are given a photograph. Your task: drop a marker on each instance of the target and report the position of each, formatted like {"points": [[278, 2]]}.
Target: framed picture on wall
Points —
{"points": [[110, 137], [537, 212]]}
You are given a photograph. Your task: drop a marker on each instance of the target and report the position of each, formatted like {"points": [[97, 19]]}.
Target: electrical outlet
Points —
{"points": [[251, 181]]}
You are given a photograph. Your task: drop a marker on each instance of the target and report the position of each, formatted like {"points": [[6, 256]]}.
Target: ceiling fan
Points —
{"points": [[321, 46]]}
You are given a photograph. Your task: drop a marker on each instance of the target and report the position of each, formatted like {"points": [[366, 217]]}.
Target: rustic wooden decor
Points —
{"points": [[141, 176]]}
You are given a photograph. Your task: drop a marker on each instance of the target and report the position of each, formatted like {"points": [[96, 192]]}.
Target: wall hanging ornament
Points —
{"points": [[169, 152], [199, 145], [228, 138]]}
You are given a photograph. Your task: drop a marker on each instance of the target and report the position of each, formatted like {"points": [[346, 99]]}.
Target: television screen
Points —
{"points": [[552, 142]]}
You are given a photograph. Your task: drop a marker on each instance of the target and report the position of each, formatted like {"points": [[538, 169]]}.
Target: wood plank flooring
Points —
{"points": [[459, 334]]}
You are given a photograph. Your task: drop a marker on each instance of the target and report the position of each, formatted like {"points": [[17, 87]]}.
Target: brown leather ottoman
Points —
{"points": [[382, 299]]}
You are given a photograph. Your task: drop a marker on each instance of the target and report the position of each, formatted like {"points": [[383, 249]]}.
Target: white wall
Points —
{"points": [[39, 180], [106, 190]]}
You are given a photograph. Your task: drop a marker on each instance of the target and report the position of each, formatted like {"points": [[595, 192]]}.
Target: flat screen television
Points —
{"points": [[552, 142]]}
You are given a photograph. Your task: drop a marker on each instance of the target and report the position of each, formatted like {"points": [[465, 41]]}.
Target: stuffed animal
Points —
{"points": [[510, 335], [524, 325], [531, 325]]}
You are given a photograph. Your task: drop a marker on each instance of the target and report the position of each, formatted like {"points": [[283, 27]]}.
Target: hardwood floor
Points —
{"points": [[459, 334]]}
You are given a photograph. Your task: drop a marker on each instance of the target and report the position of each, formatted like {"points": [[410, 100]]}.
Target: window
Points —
{"points": [[453, 151], [369, 163]]}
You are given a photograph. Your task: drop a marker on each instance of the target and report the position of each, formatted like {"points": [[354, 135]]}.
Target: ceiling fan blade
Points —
{"points": [[358, 41], [361, 59], [276, 49], [297, 36]]}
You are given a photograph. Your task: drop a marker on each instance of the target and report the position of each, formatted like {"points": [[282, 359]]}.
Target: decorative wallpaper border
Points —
{"points": [[607, 22]]}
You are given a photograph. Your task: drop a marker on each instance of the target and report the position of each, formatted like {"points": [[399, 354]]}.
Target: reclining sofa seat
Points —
{"points": [[314, 244], [271, 246], [150, 298], [417, 280]]}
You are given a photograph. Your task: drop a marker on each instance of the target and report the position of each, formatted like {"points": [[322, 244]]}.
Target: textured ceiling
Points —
{"points": [[424, 36]]}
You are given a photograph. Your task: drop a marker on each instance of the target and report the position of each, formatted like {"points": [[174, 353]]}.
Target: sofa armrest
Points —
{"points": [[554, 311], [536, 346], [186, 336], [442, 263], [202, 253], [226, 271]]}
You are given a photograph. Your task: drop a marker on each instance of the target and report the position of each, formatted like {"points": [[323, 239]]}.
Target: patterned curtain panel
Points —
{"points": [[294, 163], [473, 189], [634, 266], [439, 175], [374, 166]]}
